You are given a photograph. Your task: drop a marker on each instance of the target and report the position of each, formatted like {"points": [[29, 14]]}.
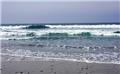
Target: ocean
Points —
{"points": [[99, 43]]}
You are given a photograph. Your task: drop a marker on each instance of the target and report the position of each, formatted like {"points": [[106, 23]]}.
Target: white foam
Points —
{"points": [[12, 27], [84, 26], [7, 32], [96, 58]]}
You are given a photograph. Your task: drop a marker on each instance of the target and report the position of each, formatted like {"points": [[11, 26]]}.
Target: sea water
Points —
{"points": [[86, 43]]}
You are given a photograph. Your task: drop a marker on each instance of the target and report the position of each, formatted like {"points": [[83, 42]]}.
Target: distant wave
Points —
{"points": [[12, 27], [84, 26], [24, 27], [58, 26], [36, 27]]}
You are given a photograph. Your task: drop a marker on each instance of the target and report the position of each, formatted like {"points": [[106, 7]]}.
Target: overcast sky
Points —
{"points": [[58, 0], [60, 12]]}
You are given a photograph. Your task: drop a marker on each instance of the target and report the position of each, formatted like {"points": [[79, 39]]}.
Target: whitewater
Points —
{"points": [[85, 43], [19, 32]]}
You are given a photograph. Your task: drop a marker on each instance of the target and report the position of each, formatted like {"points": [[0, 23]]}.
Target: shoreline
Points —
{"points": [[40, 66], [8, 58]]}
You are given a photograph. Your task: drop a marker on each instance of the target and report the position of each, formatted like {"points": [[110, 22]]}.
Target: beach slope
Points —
{"points": [[26, 66]]}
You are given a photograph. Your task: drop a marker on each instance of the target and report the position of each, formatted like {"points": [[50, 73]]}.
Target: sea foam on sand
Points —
{"points": [[53, 66]]}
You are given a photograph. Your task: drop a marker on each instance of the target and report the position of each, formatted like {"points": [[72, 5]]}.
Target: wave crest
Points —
{"points": [[84, 34], [62, 35], [36, 27]]}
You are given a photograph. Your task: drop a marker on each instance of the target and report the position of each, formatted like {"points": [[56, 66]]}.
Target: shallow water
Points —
{"points": [[91, 49]]}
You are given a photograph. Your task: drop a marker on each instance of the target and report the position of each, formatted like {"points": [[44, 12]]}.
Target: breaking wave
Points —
{"points": [[62, 35], [84, 26], [36, 27], [57, 31], [52, 35]]}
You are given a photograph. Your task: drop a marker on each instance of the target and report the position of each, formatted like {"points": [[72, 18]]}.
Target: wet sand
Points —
{"points": [[27, 65]]}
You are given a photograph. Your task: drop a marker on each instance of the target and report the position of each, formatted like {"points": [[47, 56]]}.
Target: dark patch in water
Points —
{"points": [[31, 34], [36, 27], [116, 32], [84, 34], [54, 36]]}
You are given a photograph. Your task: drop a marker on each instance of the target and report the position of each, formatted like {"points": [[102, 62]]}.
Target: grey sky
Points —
{"points": [[60, 12], [57, 0]]}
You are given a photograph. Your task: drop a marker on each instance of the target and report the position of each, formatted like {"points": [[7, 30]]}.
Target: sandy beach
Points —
{"points": [[29, 65]]}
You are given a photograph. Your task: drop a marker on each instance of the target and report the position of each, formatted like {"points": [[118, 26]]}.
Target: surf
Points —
{"points": [[48, 31]]}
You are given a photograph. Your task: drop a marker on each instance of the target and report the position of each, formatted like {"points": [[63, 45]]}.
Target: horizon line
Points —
{"points": [[68, 23]]}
